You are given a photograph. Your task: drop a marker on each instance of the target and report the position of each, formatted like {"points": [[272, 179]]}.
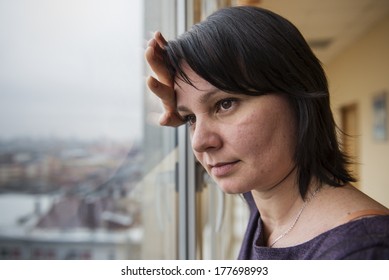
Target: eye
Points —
{"points": [[225, 104], [190, 119]]}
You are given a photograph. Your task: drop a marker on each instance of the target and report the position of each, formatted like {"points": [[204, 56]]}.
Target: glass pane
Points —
{"points": [[71, 122], [223, 220], [160, 196]]}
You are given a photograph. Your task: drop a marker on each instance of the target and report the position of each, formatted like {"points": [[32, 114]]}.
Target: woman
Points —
{"points": [[257, 103]]}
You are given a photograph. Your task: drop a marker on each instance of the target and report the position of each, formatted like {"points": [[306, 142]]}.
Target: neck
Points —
{"points": [[279, 205]]}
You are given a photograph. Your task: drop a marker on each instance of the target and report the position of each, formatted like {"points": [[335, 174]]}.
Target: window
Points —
{"points": [[86, 172], [71, 151]]}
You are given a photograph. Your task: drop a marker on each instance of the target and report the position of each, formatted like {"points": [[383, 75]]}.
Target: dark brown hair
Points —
{"points": [[254, 51]]}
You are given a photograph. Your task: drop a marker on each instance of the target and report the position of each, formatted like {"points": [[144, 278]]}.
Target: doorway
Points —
{"points": [[350, 138]]}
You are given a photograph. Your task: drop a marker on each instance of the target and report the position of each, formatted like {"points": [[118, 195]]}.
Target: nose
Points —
{"points": [[205, 137]]}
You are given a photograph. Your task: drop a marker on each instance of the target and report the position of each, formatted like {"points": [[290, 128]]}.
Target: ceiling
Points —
{"points": [[328, 25]]}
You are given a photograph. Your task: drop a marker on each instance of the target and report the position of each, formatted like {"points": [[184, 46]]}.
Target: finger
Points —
{"points": [[171, 119], [159, 43], [165, 93], [158, 65], [160, 39]]}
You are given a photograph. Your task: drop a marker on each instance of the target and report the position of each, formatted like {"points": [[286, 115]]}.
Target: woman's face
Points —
{"points": [[244, 142]]}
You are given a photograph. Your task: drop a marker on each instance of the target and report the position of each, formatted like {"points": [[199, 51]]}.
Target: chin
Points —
{"points": [[232, 188]]}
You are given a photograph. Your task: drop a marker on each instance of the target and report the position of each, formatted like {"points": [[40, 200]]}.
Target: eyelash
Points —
{"points": [[191, 119], [219, 104]]}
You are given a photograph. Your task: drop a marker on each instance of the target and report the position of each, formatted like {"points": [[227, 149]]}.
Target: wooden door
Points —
{"points": [[350, 138]]}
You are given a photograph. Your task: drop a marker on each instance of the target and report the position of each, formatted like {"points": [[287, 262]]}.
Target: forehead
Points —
{"points": [[199, 85]]}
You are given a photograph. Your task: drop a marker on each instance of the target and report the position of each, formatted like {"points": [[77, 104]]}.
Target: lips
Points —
{"points": [[222, 168]]}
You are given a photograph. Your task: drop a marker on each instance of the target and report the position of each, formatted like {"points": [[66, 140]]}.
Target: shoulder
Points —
{"points": [[367, 238], [337, 206]]}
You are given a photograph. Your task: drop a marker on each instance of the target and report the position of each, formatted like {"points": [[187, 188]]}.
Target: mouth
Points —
{"points": [[222, 169]]}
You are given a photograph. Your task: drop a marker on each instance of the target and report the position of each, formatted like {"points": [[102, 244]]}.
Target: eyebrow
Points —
{"points": [[203, 99]]}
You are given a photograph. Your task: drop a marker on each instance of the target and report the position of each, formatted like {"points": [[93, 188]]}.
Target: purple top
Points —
{"points": [[366, 238]]}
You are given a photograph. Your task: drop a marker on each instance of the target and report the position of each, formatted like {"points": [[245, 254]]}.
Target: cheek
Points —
{"points": [[198, 156], [253, 132], [267, 137]]}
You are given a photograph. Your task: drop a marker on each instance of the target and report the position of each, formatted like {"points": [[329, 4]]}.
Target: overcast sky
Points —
{"points": [[71, 68]]}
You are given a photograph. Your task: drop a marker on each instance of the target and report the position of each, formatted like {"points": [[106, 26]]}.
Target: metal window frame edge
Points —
{"points": [[186, 166]]}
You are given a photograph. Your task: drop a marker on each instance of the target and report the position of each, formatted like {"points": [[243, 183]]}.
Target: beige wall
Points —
{"points": [[355, 76]]}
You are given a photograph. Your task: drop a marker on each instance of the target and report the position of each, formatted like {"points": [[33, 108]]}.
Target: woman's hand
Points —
{"points": [[163, 87]]}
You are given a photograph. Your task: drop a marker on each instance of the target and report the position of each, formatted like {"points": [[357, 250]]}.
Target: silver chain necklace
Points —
{"points": [[295, 220]]}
